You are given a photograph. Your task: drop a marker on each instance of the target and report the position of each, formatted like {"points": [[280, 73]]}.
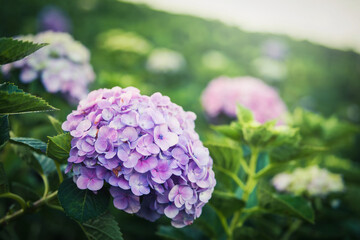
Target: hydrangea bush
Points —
{"points": [[223, 94], [311, 181], [164, 60], [146, 148], [62, 66]]}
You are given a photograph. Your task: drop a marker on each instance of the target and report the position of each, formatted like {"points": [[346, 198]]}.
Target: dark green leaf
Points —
{"points": [[24, 191], [173, 233], [56, 124], [102, 228], [59, 147], [4, 129], [9, 88], [12, 50], [288, 152], [4, 184], [47, 164], [226, 203], [82, 205], [34, 144], [285, 204], [250, 233], [17, 102]]}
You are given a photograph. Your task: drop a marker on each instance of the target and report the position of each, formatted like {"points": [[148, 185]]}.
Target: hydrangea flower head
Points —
{"points": [[223, 94], [53, 19], [63, 66], [146, 148], [312, 181], [165, 61]]}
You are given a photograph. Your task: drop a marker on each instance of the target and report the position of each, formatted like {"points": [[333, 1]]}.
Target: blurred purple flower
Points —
{"points": [[54, 19]]}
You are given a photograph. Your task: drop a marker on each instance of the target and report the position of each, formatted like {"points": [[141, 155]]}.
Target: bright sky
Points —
{"points": [[334, 23]]}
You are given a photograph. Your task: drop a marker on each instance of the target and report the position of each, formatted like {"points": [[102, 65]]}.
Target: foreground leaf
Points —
{"points": [[4, 130], [285, 204], [169, 232], [102, 228], [225, 156], [59, 147], [34, 144], [16, 102], [82, 205], [12, 50]]}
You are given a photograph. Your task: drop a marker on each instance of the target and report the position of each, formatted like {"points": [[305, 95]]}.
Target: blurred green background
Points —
{"points": [[323, 80]]}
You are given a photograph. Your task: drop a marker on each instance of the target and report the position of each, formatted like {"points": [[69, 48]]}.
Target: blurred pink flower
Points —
{"points": [[223, 94]]}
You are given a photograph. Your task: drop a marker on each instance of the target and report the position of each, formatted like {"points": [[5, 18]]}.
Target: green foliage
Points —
{"points": [[59, 147], [4, 184], [12, 50], [227, 204], [103, 227], [34, 144], [173, 233], [56, 124], [317, 130], [15, 101], [82, 205], [285, 204], [4, 129]]}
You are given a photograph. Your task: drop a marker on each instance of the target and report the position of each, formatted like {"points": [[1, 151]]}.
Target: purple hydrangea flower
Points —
{"points": [[54, 19], [62, 66], [146, 148], [223, 94]]}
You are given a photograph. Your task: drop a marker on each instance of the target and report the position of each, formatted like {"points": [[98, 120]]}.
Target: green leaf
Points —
{"points": [[34, 144], [288, 152], [244, 115], [59, 147], [226, 203], [104, 227], [285, 204], [4, 130], [47, 164], [56, 124], [12, 50], [169, 232], [4, 184], [226, 156], [17, 102], [82, 205], [233, 131]]}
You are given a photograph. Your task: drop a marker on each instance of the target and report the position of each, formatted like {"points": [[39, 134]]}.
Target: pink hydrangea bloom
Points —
{"points": [[146, 148], [223, 94]]}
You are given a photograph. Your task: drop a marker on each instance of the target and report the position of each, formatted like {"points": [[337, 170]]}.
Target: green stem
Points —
{"points": [[16, 197], [58, 169], [248, 188], [293, 227], [251, 181], [42, 201], [46, 184], [223, 221]]}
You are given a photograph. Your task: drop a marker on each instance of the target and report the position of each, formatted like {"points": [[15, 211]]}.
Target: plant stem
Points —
{"points": [[46, 184], [248, 188], [33, 206], [232, 176], [293, 227], [16, 197], [58, 169]]}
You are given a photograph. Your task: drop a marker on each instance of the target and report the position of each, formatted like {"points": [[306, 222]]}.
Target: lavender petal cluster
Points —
{"points": [[63, 66], [146, 148], [223, 94]]}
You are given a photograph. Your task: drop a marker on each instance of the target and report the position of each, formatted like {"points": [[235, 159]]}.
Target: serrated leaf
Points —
{"points": [[56, 124], [104, 227], [12, 50], [82, 205], [4, 184], [16, 102], [59, 147], [34, 144], [226, 203], [285, 204], [4, 130]]}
